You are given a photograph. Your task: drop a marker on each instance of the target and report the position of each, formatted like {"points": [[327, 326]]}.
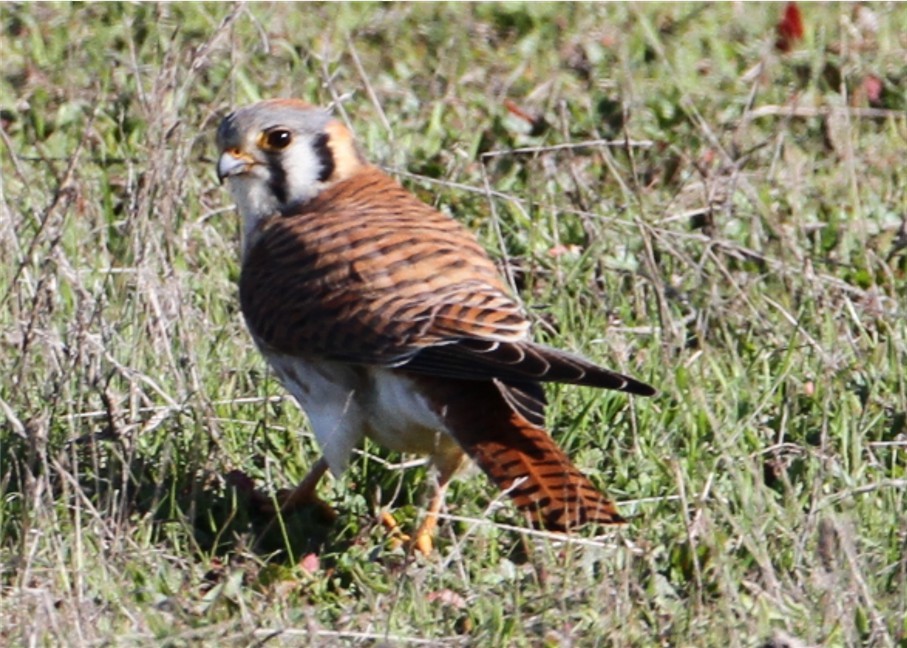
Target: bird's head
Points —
{"points": [[276, 155]]}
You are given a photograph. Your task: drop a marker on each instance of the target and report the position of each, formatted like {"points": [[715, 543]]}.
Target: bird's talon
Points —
{"points": [[398, 538], [422, 542]]}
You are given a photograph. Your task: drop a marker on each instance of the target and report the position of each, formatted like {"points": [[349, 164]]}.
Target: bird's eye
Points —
{"points": [[277, 139]]}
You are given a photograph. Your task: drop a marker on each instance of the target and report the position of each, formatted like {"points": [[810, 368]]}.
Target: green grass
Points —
{"points": [[742, 245]]}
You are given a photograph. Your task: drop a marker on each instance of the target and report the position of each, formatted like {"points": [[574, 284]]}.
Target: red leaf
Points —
{"points": [[789, 28], [310, 563], [873, 86]]}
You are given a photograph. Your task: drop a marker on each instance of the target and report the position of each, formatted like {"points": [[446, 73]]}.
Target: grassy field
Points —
{"points": [[669, 194]]}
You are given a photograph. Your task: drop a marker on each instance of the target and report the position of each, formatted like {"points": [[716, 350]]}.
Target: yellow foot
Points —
{"points": [[398, 538], [423, 542]]}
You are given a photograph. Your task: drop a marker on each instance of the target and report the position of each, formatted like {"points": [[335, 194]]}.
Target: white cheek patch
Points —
{"points": [[302, 168]]}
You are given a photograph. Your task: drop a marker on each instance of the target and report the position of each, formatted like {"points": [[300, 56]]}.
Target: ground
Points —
{"points": [[712, 198]]}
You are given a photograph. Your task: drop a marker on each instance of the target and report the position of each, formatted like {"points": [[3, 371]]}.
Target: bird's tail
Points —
{"points": [[522, 459], [542, 481]]}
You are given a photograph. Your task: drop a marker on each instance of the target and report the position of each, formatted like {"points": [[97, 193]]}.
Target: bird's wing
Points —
{"points": [[368, 274], [518, 362]]}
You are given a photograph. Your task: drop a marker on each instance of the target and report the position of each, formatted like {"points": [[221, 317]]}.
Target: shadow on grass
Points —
{"points": [[218, 514], [172, 495]]}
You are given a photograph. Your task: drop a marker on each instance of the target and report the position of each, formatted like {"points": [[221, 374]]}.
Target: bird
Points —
{"points": [[386, 319]]}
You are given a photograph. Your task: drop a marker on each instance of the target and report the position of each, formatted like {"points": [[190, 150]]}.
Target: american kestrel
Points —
{"points": [[386, 319]]}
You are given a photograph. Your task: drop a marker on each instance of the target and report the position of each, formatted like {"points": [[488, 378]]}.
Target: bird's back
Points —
{"points": [[366, 267]]}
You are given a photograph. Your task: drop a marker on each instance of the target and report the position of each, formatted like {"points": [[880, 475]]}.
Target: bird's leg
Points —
{"points": [[304, 493], [447, 464], [423, 541]]}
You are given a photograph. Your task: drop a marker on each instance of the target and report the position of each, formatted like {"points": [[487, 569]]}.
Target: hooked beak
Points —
{"points": [[232, 163]]}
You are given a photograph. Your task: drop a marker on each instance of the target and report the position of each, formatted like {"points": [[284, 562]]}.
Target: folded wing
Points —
{"points": [[384, 279]]}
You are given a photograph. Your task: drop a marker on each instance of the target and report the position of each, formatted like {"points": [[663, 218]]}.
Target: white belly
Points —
{"points": [[345, 403]]}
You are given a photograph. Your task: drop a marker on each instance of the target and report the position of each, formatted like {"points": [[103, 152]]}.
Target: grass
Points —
{"points": [[741, 245]]}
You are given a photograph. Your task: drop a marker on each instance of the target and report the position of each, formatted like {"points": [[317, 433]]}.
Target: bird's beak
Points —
{"points": [[232, 163]]}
